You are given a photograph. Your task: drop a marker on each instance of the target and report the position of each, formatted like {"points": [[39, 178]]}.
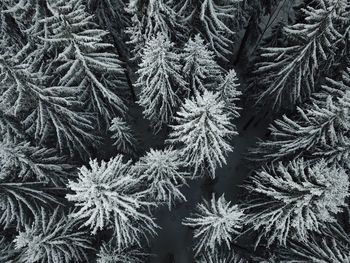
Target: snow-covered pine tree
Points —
{"points": [[160, 81], [20, 202], [202, 132], [52, 238], [287, 74], [216, 223], [229, 93], [84, 61], [213, 19], [220, 256], [292, 200], [110, 254], [153, 17], [200, 68], [28, 163], [10, 34], [123, 136], [11, 128], [107, 195], [6, 250], [46, 112], [320, 130], [111, 14], [28, 15], [330, 246], [161, 172]]}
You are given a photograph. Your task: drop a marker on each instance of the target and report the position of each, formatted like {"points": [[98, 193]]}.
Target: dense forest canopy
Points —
{"points": [[207, 131]]}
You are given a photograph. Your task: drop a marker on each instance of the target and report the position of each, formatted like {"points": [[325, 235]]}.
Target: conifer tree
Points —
{"points": [[20, 202], [111, 14], [321, 130], [216, 223], [229, 93], [292, 200], [160, 81], [85, 61], [123, 136], [332, 245], [110, 254], [33, 163], [214, 20], [161, 172], [200, 68], [220, 256], [153, 17], [6, 250], [107, 195], [52, 238], [288, 74], [202, 132], [44, 111]]}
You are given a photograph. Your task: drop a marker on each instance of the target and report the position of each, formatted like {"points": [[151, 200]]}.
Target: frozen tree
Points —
{"points": [[330, 246], [45, 111], [216, 222], [6, 250], [108, 195], [220, 256], [21, 201], [123, 136], [287, 74], [200, 67], [110, 14], [10, 34], [229, 93], [52, 238], [32, 163], [213, 19], [202, 132], [294, 199], [153, 17], [136, 40], [84, 61], [110, 254], [161, 172], [320, 130], [160, 81]]}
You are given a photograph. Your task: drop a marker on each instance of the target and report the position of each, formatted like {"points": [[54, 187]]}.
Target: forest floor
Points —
{"points": [[173, 244]]}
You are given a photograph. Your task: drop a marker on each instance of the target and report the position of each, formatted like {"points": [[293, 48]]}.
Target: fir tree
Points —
{"points": [[214, 20], [229, 93], [110, 254], [111, 14], [216, 222], [6, 250], [84, 61], [202, 132], [123, 136], [52, 238], [161, 172], [33, 163], [287, 74], [108, 195], [200, 67], [151, 18], [294, 199], [330, 246], [160, 81], [44, 111], [321, 130], [20, 202], [220, 256]]}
